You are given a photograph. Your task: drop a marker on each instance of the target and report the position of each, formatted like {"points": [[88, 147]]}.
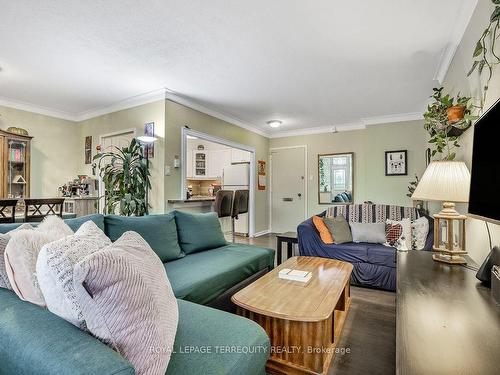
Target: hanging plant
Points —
{"points": [[126, 179], [484, 55], [446, 119]]}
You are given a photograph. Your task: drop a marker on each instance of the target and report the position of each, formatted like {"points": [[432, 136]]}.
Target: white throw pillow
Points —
{"points": [[419, 232], [128, 303], [54, 269], [404, 243], [368, 232], [21, 255], [4, 240]]}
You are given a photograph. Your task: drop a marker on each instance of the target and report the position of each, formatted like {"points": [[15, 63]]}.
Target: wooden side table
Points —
{"points": [[289, 238]]}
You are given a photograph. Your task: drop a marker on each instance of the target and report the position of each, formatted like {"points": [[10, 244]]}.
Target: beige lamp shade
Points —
{"points": [[446, 181]]}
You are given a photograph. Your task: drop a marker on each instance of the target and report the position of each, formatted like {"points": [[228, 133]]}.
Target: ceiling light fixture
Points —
{"points": [[274, 123]]}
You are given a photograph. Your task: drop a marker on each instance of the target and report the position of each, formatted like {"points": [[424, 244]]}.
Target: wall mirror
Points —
{"points": [[335, 180]]}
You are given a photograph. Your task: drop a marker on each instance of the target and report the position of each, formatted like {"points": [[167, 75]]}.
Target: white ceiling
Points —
{"points": [[310, 64]]}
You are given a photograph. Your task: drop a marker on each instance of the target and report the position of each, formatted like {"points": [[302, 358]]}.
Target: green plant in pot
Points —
{"points": [[445, 120], [126, 179]]}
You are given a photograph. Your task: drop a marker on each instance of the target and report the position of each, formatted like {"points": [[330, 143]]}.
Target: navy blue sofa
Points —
{"points": [[374, 264]]}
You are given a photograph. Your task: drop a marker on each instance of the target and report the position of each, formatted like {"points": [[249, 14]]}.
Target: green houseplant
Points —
{"points": [[445, 120], [126, 179], [484, 55]]}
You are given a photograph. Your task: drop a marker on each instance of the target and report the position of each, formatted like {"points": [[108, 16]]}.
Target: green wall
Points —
{"points": [[177, 116], [369, 146], [456, 81], [131, 118], [54, 160]]}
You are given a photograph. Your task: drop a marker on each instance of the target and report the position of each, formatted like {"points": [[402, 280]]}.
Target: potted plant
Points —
{"points": [[446, 119], [126, 179]]}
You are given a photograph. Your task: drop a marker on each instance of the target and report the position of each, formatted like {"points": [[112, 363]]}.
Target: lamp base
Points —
{"points": [[450, 259]]}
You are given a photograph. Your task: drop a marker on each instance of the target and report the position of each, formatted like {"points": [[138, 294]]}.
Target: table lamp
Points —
{"points": [[448, 182]]}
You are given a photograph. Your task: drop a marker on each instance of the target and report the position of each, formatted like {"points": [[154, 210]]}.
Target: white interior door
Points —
{"points": [[288, 189]]}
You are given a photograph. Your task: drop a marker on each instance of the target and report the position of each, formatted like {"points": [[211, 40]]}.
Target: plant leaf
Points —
{"points": [[474, 65], [495, 16], [479, 49]]}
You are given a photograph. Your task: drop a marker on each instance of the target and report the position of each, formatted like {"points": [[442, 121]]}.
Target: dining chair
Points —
{"points": [[8, 210], [37, 209]]}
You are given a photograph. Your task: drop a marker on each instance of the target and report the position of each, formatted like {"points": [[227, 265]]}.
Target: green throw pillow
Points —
{"points": [[198, 232], [339, 228], [159, 231], [77, 222]]}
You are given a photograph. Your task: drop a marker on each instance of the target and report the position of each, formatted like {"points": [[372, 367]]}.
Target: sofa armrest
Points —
{"points": [[35, 341], [309, 239]]}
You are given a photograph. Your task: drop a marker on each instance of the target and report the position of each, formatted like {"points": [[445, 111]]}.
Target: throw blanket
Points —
{"points": [[372, 213]]}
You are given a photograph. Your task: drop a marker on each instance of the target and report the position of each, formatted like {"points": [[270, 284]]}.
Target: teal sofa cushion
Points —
{"points": [[35, 341], [198, 232], [203, 333], [203, 276], [159, 231], [77, 222], [4, 228]]}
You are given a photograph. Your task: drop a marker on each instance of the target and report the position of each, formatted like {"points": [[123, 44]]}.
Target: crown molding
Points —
{"points": [[455, 37], [29, 107], [364, 122], [134, 101], [389, 119], [193, 104], [318, 130]]}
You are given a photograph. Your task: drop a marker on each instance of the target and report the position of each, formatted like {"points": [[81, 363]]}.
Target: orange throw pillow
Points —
{"points": [[324, 233]]}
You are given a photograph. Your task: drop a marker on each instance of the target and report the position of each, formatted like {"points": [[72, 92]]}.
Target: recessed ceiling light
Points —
{"points": [[274, 123]]}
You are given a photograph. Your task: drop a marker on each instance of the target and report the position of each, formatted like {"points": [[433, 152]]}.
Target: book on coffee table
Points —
{"points": [[295, 275]]}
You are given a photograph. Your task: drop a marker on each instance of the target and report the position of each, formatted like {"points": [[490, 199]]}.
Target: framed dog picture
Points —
{"points": [[396, 163]]}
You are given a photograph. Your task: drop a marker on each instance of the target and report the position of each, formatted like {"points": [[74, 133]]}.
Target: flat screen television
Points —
{"points": [[484, 198]]}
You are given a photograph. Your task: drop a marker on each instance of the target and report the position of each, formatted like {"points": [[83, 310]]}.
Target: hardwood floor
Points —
{"points": [[369, 332]]}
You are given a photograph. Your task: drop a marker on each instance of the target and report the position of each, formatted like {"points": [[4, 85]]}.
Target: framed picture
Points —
{"points": [[149, 129], [396, 163], [88, 149]]}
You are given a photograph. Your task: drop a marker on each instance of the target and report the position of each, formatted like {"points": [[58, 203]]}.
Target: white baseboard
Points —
{"points": [[262, 233]]}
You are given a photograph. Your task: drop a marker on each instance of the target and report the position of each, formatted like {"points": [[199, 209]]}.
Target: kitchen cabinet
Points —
{"points": [[189, 165], [217, 161], [240, 156], [200, 163]]}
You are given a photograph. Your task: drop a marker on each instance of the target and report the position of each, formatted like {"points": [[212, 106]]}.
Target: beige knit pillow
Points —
{"points": [[54, 269], [21, 254], [127, 302], [4, 240]]}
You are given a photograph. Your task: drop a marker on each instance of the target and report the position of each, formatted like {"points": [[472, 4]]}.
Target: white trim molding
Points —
{"points": [[456, 34], [262, 233], [33, 108]]}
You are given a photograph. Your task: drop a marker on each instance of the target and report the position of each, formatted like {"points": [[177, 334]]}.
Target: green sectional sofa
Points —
{"points": [[203, 270]]}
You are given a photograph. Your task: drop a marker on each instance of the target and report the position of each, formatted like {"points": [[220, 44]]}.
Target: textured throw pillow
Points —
{"points": [[54, 269], [128, 303], [21, 254], [368, 232], [4, 240], [198, 232], [159, 231], [419, 232], [404, 242], [323, 230], [339, 228], [393, 233]]}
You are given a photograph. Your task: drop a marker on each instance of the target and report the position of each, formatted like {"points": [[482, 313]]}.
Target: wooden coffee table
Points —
{"points": [[303, 321]]}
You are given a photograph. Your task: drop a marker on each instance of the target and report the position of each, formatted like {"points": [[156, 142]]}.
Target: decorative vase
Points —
{"points": [[455, 113]]}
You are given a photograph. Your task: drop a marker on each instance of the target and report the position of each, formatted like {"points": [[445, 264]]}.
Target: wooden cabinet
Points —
{"points": [[81, 206], [15, 160], [207, 164]]}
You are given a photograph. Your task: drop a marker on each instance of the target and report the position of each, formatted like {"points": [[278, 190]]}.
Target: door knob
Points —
{"points": [[299, 195]]}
